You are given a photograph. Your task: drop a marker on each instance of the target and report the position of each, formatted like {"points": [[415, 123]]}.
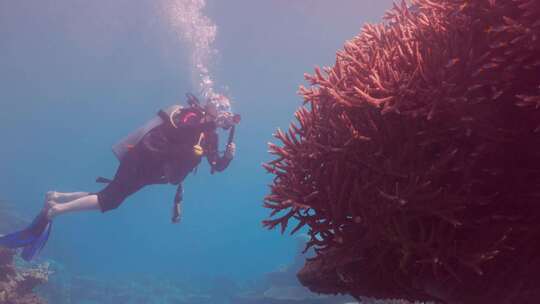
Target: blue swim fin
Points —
{"points": [[31, 250], [28, 235]]}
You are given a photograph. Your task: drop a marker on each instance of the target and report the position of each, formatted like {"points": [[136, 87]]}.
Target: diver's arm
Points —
{"points": [[218, 163]]}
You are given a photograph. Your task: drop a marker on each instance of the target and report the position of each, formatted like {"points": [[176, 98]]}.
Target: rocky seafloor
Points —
{"points": [[278, 287], [273, 288]]}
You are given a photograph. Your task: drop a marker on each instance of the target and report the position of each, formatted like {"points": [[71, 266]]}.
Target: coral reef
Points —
{"points": [[17, 284], [415, 163]]}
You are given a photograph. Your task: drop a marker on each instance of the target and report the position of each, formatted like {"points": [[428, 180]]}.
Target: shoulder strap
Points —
{"points": [[168, 114]]}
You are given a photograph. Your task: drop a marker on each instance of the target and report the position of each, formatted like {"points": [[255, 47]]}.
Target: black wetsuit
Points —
{"points": [[164, 155]]}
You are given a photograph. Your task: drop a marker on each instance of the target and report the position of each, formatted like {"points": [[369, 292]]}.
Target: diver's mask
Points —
{"points": [[218, 109]]}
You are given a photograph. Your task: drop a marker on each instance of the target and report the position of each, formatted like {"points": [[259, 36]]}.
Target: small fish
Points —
{"points": [[452, 62], [491, 65]]}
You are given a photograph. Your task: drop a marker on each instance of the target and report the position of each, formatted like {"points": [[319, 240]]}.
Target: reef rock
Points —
{"points": [[415, 161], [16, 284]]}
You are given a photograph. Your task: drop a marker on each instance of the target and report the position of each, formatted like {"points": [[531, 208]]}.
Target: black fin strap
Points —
{"points": [[103, 180]]}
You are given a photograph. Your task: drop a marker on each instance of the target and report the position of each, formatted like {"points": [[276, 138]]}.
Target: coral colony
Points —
{"points": [[16, 284], [415, 160]]}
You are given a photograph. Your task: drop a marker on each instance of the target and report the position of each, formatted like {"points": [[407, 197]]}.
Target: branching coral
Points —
{"points": [[16, 285], [415, 161]]}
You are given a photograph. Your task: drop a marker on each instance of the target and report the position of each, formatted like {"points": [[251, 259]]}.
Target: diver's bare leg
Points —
{"points": [[64, 197], [85, 203]]}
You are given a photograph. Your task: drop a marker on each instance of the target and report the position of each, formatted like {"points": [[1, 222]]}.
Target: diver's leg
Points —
{"points": [[85, 203], [64, 197], [126, 182]]}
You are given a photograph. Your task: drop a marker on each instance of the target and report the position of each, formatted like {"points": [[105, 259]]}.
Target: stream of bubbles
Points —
{"points": [[199, 32]]}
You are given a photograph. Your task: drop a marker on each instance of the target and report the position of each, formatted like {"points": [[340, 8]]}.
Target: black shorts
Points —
{"points": [[135, 172]]}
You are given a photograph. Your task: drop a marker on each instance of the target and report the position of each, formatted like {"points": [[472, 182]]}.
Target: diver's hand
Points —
{"points": [[176, 213], [230, 151]]}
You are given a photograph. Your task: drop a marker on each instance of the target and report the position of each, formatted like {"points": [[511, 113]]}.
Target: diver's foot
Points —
{"points": [[50, 209], [52, 196]]}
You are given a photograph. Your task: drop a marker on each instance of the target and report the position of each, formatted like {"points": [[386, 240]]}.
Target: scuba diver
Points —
{"points": [[164, 150]]}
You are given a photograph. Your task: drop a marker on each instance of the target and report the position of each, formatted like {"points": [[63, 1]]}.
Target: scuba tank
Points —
{"points": [[125, 144]]}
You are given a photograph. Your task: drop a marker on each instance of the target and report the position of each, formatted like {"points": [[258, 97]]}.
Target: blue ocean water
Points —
{"points": [[76, 76]]}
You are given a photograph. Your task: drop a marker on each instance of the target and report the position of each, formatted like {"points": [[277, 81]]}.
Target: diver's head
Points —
{"points": [[218, 109], [218, 103]]}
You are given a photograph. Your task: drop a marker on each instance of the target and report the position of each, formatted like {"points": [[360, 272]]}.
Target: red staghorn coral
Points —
{"points": [[415, 162]]}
